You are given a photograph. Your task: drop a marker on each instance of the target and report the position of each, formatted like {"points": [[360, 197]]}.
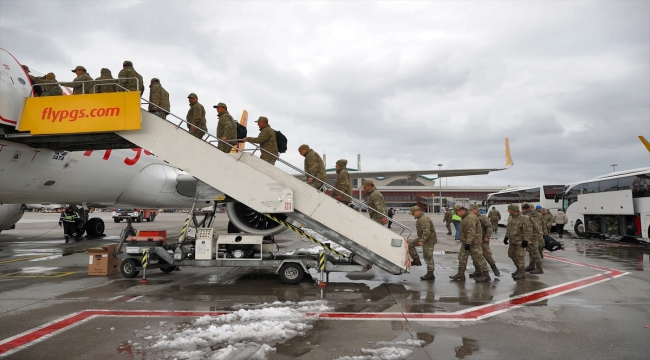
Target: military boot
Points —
{"points": [[476, 273], [416, 262], [429, 276], [460, 276], [538, 268], [484, 277], [530, 267], [520, 274], [448, 233], [495, 270]]}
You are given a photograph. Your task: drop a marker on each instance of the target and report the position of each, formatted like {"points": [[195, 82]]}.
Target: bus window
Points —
{"points": [[625, 183], [609, 185], [640, 187], [592, 187]]}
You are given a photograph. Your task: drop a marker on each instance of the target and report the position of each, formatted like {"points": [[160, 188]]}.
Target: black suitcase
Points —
{"points": [[551, 244]]}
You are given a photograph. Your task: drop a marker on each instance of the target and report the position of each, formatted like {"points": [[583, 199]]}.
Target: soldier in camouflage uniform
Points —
{"points": [[313, 166], [494, 215], [426, 238], [471, 237], [518, 231], [36, 80], [447, 220], [541, 242], [126, 78], [82, 84], [375, 201], [160, 97], [196, 117], [108, 83], [535, 265], [486, 227], [267, 141], [53, 89], [226, 128], [343, 183], [548, 221]]}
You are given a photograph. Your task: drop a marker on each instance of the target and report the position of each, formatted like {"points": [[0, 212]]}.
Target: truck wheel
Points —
{"points": [[129, 268], [579, 228], [152, 216], [291, 273], [140, 218], [116, 220], [168, 269], [95, 227]]}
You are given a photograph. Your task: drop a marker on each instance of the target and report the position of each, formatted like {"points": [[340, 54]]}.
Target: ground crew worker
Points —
{"points": [[535, 264], [375, 201], [426, 238], [455, 219], [69, 223], [195, 117], [343, 184], [82, 84], [266, 139], [128, 77], [471, 239], [226, 128], [486, 227], [158, 98], [105, 82], [447, 220], [518, 231], [494, 215], [313, 166], [53, 89]]}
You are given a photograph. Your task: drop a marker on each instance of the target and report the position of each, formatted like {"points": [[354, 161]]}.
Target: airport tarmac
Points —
{"points": [[592, 302]]}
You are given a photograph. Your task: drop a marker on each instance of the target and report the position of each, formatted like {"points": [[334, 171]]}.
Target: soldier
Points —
{"points": [[158, 98], [195, 117], [447, 220], [494, 215], [226, 128], [426, 238], [535, 265], [53, 89], [375, 201], [82, 84], [127, 78], [343, 184], [313, 166], [518, 231], [486, 227], [548, 220], [38, 90], [266, 139], [105, 83], [541, 242], [471, 239]]}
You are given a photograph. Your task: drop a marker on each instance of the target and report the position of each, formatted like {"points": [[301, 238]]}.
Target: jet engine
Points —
{"points": [[9, 215], [250, 221]]}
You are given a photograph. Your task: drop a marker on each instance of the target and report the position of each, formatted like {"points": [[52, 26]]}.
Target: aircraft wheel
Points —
{"points": [[291, 273], [168, 269], [129, 268], [95, 227], [116, 220]]}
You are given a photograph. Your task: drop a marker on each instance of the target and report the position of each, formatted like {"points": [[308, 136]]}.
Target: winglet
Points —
{"points": [[509, 161], [645, 142]]}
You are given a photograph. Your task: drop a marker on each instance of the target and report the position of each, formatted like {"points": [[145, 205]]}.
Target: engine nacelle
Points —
{"points": [[250, 221], [10, 214]]}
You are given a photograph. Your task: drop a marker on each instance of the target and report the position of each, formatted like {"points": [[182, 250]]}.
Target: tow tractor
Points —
{"points": [[137, 215]]}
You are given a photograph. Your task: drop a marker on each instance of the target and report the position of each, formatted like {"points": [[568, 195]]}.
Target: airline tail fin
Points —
{"points": [[509, 161], [645, 142]]}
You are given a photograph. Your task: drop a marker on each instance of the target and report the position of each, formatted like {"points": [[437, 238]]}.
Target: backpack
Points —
{"points": [[282, 142], [241, 131]]}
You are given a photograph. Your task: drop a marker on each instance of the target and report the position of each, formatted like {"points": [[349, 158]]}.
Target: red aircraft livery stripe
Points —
{"points": [[33, 336]]}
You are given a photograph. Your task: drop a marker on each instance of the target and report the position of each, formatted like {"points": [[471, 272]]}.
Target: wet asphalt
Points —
{"points": [[43, 279]]}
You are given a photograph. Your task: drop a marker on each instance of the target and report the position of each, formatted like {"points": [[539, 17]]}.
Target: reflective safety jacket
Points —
{"points": [[68, 216]]}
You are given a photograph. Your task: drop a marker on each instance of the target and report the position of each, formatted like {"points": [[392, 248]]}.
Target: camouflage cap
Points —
{"points": [[458, 207], [342, 163], [105, 71], [473, 206], [79, 68], [414, 209], [192, 95], [513, 207], [262, 119], [25, 67], [368, 183], [155, 80], [127, 63], [220, 105], [303, 147], [525, 205], [50, 76]]}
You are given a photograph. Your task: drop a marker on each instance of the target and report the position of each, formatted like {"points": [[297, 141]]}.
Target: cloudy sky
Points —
{"points": [[409, 85]]}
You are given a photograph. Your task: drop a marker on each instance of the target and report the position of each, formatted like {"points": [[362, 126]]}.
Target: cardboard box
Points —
{"points": [[102, 261], [150, 233]]}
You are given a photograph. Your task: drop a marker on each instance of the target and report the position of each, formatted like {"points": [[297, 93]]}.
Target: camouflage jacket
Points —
{"points": [[376, 201], [159, 96], [486, 226], [105, 78], [126, 80], [51, 90], [425, 230], [267, 141], [548, 219], [494, 215], [78, 87], [196, 116], [314, 165], [519, 228], [226, 127], [447, 217], [470, 229], [343, 184], [536, 221]]}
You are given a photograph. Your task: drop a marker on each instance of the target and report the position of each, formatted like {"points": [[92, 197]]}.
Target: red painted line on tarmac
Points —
{"points": [[31, 337]]}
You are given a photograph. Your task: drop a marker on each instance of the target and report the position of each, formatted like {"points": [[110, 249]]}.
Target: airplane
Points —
{"points": [[123, 178]]}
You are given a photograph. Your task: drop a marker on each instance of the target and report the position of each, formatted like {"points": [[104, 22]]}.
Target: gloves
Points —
{"points": [[467, 247], [60, 223], [524, 244], [505, 240]]}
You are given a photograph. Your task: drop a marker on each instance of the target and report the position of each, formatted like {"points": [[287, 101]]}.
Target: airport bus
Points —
{"points": [[543, 195], [616, 204]]}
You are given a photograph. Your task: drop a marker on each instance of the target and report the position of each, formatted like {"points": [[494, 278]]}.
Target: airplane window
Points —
{"points": [[49, 183], [20, 80]]}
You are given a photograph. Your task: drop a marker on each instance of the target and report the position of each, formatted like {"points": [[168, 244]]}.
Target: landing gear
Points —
{"points": [[95, 227]]}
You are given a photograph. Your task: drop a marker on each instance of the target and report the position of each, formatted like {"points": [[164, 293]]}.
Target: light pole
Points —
{"points": [[614, 167], [440, 180]]}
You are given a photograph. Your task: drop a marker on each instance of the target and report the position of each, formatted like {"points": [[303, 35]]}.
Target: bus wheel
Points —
{"points": [[579, 229]]}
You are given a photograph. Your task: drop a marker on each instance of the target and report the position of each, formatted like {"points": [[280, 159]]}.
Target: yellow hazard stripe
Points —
{"points": [[304, 234], [25, 259], [180, 237], [145, 258], [321, 260]]}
